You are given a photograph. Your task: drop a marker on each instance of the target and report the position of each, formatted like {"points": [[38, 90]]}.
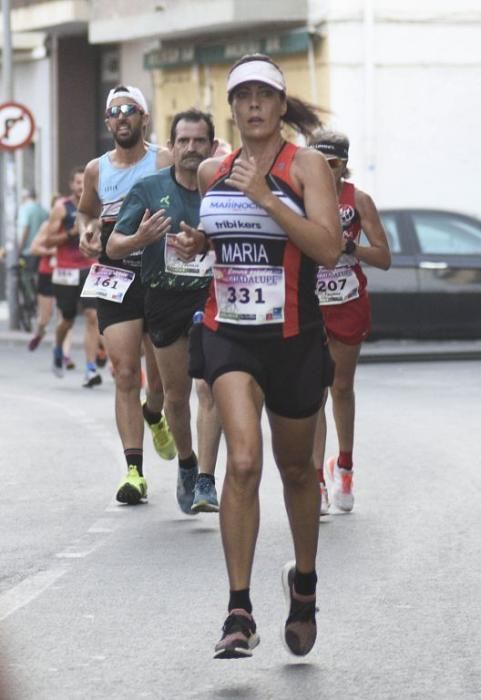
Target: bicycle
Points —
{"points": [[26, 295]]}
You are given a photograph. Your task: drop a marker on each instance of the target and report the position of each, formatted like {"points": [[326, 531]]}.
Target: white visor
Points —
{"points": [[132, 93], [259, 72]]}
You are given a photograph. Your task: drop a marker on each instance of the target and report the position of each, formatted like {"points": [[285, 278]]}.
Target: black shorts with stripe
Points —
{"points": [[292, 372]]}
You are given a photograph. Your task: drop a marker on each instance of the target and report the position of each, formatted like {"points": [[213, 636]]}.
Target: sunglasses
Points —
{"points": [[336, 162], [124, 110]]}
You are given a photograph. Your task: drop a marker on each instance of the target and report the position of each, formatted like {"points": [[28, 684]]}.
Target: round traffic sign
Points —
{"points": [[17, 126]]}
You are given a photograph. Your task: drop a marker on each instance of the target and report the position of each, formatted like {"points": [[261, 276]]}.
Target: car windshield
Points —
{"points": [[444, 234]]}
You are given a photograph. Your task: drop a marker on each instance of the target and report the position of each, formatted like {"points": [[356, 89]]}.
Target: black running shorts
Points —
{"points": [[131, 308], [68, 297], [169, 313], [44, 284], [293, 372]]}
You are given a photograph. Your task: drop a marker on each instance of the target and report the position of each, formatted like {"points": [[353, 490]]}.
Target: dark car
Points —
{"points": [[433, 289]]}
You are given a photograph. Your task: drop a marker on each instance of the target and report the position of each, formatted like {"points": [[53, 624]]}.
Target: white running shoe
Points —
{"points": [[324, 500], [342, 495]]}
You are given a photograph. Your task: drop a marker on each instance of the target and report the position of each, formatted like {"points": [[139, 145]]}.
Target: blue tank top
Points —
{"points": [[113, 186], [115, 183]]}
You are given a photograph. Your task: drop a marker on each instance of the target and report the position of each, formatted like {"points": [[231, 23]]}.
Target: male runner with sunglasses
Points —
{"points": [[120, 297]]}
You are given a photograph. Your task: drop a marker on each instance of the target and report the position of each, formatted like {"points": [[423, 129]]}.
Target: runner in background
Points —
{"points": [[345, 307], [108, 179], [45, 297], [68, 277]]}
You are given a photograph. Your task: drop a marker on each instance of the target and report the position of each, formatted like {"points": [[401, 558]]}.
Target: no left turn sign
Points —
{"points": [[17, 126]]}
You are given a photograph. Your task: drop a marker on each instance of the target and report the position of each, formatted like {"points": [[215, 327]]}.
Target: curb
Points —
{"points": [[371, 353], [419, 356]]}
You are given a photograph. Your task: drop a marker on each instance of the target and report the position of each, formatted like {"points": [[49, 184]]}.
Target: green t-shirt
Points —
{"points": [[31, 215], [161, 191]]}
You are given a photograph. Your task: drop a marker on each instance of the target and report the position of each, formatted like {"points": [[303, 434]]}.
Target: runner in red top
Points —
{"points": [[344, 303], [45, 295], [270, 218], [68, 278]]}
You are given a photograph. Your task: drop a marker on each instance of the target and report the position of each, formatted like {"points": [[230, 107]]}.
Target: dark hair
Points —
{"points": [[79, 170], [300, 115], [192, 115]]}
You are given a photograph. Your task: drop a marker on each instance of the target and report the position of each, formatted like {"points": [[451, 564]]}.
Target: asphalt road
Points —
{"points": [[103, 601]]}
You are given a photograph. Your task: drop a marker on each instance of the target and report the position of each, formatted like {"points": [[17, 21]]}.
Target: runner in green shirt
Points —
{"points": [[148, 221], [160, 265]]}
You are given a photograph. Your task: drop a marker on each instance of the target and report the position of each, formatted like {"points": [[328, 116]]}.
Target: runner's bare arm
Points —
{"points": [[54, 234], [190, 241], [377, 253], [38, 246], [88, 212]]}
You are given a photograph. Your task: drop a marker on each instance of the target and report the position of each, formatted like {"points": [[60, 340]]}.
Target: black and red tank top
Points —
{"points": [[350, 219], [68, 253], [263, 284], [347, 280]]}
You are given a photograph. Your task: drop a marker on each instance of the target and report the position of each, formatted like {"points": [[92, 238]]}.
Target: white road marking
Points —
{"points": [[28, 589], [33, 586], [103, 525]]}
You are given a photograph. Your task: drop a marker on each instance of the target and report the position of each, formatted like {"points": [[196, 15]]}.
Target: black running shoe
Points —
{"points": [[239, 636], [300, 630], [92, 378], [101, 358]]}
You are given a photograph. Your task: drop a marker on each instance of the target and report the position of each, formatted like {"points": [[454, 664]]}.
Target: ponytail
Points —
{"points": [[302, 116]]}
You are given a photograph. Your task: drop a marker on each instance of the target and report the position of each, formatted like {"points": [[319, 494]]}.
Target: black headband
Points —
{"points": [[336, 150]]}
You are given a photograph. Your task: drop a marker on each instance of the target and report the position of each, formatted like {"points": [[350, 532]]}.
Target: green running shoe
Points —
{"points": [[162, 438], [133, 488]]}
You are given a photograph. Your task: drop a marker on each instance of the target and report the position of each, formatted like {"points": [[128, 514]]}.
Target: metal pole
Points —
{"points": [[9, 179]]}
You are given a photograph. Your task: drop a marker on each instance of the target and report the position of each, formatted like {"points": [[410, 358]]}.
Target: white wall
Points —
{"points": [[132, 69], [411, 102]]}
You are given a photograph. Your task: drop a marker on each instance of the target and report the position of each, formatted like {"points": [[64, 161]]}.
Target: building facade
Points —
{"points": [[396, 75]]}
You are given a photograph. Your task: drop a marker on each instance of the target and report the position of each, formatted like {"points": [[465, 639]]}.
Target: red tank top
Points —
{"points": [[350, 219], [44, 266], [68, 253]]}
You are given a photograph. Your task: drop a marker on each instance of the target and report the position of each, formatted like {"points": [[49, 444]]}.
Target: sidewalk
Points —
{"points": [[21, 338], [371, 352]]}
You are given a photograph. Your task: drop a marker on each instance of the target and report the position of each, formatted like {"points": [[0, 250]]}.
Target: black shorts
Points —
{"points": [[44, 284], [68, 297], [131, 308], [169, 314], [292, 372]]}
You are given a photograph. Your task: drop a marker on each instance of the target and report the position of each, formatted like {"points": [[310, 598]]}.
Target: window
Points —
{"points": [[442, 234]]}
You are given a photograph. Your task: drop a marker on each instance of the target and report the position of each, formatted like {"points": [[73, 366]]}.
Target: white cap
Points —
{"points": [[128, 91], [256, 71]]}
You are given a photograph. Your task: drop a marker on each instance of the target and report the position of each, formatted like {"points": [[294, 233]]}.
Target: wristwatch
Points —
{"points": [[350, 247]]}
